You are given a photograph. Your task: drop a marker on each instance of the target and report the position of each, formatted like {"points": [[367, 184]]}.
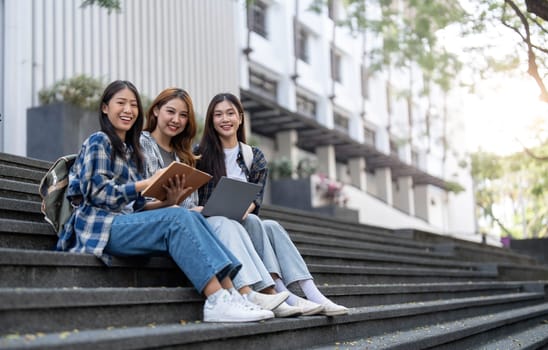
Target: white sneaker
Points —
{"points": [[267, 301], [242, 299], [309, 308], [225, 309], [332, 309], [286, 310]]}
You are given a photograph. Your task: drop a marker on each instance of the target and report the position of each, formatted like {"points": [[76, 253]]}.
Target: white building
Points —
{"points": [[303, 80]]}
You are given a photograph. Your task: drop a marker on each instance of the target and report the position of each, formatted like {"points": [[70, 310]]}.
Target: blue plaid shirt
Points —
{"points": [[257, 174], [108, 190]]}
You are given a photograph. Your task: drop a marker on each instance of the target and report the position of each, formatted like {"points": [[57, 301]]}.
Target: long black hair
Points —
{"points": [[210, 145], [133, 134]]}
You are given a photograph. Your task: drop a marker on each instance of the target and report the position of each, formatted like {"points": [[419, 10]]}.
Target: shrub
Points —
{"points": [[82, 91]]}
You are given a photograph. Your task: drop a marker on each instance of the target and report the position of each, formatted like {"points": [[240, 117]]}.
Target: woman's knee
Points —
{"points": [[274, 229]]}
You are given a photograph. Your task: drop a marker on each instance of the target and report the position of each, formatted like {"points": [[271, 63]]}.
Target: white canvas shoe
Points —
{"points": [[309, 308], [286, 310], [332, 309], [267, 301], [225, 309], [242, 299]]}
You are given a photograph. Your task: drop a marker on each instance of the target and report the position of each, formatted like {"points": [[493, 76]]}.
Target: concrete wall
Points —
{"points": [[537, 248], [154, 43]]}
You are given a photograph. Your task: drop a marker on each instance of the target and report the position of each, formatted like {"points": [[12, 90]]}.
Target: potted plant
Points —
{"points": [[66, 116]]}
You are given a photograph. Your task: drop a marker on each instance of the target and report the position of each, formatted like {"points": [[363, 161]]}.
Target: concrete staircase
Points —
{"points": [[406, 289]]}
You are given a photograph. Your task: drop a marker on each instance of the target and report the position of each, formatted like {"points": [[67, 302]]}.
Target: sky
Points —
{"points": [[503, 115]]}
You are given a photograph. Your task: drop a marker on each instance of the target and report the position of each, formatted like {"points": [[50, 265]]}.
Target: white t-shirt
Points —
{"points": [[233, 170]]}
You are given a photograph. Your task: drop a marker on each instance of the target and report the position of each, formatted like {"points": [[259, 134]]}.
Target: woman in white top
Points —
{"points": [[222, 153]]}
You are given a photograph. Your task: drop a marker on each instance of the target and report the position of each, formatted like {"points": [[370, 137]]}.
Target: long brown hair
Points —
{"points": [[182, 142], [210, 145]]}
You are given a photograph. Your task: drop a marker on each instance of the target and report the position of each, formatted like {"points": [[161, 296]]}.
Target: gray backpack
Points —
{"points": [[53, 187]]}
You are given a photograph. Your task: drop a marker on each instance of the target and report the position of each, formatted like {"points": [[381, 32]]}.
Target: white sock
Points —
{"points": [[280, 287], [212, 298], [312, 292]]}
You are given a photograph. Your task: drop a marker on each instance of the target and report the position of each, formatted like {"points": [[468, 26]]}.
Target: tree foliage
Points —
{"points": [[512, 192], [110, 5], [528, 30]]}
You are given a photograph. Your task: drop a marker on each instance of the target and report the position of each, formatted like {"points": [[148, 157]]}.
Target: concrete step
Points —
{"points": [[533, 337], [340, 274], [343, 238], [19, 190], [512, 271], [24, 162], [356, 257], [286, 333], [21, 234], [31, 310], [506, 271], [386, 294], [21, 209], [50, 269], [36, 268], [466, 249], [311, 241], [37, 235], [17, 173], [523, 328], [291, 216], [56, 309]]}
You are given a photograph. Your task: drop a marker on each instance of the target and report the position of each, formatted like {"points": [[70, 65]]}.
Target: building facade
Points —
{"points": [[304, 81]]}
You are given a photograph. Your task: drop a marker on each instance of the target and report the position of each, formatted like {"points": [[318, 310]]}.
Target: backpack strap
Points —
{"points": [[247, 153]]}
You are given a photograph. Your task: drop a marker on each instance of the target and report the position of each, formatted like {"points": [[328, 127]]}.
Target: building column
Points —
{"points": [[18, 67], [404, 197], [358, 178], [326, 161], [421, 202], [383, 177], [286, 141]]}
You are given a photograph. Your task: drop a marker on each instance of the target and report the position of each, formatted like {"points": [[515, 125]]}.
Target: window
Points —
{"points": [[394, 148], [340, 122], [256, 17], [415, 158], [369, 136], [263, 85], [301, 44], [331, 10], [306, 105], [388, 98], [365, 81], [335, 65]]}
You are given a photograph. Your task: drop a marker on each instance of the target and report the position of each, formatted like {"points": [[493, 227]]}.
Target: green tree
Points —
{"points": [[110, 5], [512, 192]]}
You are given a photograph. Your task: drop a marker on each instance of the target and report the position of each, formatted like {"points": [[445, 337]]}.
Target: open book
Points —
{"points": [[194, 178]]}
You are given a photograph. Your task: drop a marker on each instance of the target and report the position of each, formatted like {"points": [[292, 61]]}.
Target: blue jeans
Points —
{"points": [[276, 249], [184, 235], [253, 273]]}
